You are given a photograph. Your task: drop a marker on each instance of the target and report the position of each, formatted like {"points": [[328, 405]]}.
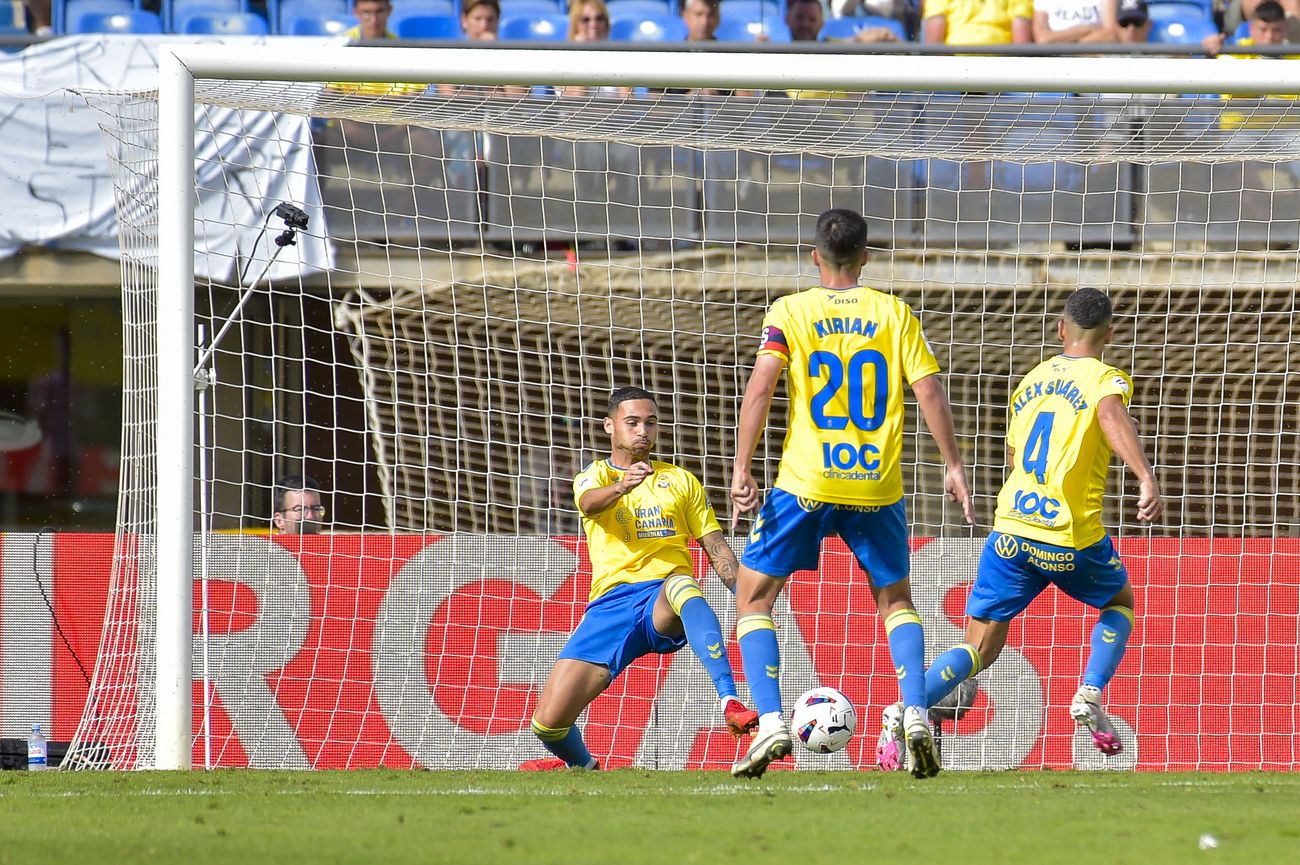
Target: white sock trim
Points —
{"points": [[770, 722]]}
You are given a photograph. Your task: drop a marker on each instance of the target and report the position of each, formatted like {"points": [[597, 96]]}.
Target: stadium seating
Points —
{"points": [[225, 24], [643, 8], [176, 12], [734, 30], [530, 8], [535, 28], [135, 21], [66, 16], [752, 10], [664, 28], [1182, 31], [404, 9], [280, 12], [429, 27], [1206, 7], [313, 26], [847, 28]]}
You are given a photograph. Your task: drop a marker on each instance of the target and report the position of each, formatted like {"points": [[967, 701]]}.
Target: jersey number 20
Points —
{"points": [[834, 368]]}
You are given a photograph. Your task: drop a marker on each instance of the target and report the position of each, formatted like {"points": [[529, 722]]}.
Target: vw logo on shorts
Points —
{"points": [[1006, 546], [809, 505]]}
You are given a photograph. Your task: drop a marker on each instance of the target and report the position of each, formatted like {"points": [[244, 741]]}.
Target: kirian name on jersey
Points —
{"points": [[1064, 388], [833, 326]]}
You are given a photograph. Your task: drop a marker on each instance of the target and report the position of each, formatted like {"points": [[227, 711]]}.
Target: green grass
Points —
{"points": [[630, 816]]}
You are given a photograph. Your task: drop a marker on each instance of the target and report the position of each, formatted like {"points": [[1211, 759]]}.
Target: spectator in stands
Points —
{"points": [[298, 509], [479, 19], [589, 22], [702, 18], [1076, 21], [1134, 20], [978, 22], [1267, 26], [806, 17], [1238, 11], [372, 20]]}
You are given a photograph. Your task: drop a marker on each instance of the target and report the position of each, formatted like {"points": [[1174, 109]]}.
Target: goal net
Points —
{"points": [[504, 256]]}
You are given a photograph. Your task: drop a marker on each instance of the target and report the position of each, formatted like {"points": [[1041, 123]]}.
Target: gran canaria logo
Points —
{"points": [[623, 516], [1006, 546], [811, 506]]}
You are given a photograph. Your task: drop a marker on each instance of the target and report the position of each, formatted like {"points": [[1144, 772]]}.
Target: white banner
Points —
{"points": [[56, 189]]}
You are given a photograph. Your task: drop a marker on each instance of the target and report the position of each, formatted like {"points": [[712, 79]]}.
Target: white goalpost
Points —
{"points": [[1062, 171]]}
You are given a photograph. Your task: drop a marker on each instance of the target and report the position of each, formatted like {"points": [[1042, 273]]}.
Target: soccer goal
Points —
{"points": [[435, 290]]}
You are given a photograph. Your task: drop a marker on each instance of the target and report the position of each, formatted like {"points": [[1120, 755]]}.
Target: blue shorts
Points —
{"points": [[618, 627], [1013, 571], [787, 537]]}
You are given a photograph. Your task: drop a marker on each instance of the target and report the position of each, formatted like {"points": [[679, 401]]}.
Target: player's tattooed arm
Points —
{"points": [[722, 558]]}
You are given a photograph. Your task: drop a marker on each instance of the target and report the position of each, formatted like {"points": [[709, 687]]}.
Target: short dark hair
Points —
{"points": [[1270, 12], [292, 484], [841, 236], [468, 6], [625, 394], [1089, 309], [789, 3], [713, 4]]}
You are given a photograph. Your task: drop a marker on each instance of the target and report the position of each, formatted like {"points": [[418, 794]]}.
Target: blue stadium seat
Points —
{"points": [[1178, 11], [530, 8], [135, 21], [429, 27], [735, 30], [535, 28], [847, 28], [226, 24], [664, 28], [1155, 8], [753, 10], [176, 12], [640, 8], [403, 9], [280, 12], [313, 26], [1182, 31], [67, 16]]}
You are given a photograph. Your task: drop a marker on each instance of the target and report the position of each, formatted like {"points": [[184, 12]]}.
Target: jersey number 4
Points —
{"points": [[1034, 459], [834, 368]]}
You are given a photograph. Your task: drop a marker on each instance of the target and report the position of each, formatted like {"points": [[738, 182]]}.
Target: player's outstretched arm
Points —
{"points": [[933, 400], [594, 501], [753, 418], [1121, 432], [722, 558]]}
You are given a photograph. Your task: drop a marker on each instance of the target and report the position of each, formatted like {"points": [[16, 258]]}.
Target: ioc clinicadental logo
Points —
{"points": [[1006, 546]]}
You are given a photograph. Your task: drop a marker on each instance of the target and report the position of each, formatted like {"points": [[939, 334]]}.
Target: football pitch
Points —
{"points": [[633, 816]]}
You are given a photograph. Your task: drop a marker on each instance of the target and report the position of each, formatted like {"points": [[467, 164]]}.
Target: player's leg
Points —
{"points": [[1098, 573], [786, 537], [878, 538], [984, 639], [680, 606], [571, 686]]}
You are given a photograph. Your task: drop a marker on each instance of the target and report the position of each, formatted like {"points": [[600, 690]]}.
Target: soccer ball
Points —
{"points": [[823, 720]]}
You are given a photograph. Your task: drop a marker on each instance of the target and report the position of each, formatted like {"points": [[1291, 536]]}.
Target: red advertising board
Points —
{"points": [[351, 651]]}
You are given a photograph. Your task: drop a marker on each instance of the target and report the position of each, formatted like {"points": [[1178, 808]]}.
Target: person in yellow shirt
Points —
{"points": [[372, 24], [978, 22], [1067, 416], [638, 515], [848, 349]]}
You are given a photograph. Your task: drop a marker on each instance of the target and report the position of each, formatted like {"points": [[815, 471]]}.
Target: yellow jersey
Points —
{"points": [[643, 535], [361, 88], [1058, 474], [980, 22], [847, 353], [1262, 117]]}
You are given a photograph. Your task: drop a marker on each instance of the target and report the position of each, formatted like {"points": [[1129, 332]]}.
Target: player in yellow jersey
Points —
{"points": [[848, 350], [1066, 418], [638, 515]]}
